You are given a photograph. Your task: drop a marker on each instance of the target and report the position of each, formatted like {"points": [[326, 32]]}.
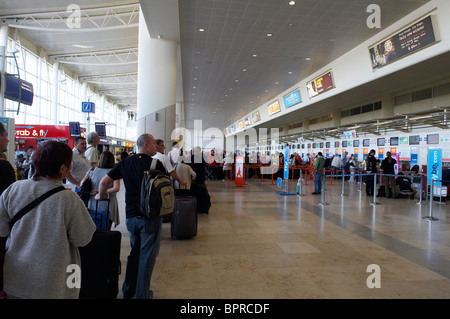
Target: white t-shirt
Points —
{"points": [[165, 161], [80, 165]]}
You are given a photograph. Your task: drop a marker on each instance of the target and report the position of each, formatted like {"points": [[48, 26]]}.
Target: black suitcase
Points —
{"points": [[100, 266], [203, 199], [184, 218]]}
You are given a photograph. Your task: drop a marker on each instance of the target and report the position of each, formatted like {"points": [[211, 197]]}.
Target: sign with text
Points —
{"points": [[292, 99], [274, 108], [239, 171], [320, 85], [434, 166], [87, 107], [413, 38]]}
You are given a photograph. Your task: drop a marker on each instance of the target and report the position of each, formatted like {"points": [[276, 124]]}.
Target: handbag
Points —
{"points": [[86, 188], [16, 217]]}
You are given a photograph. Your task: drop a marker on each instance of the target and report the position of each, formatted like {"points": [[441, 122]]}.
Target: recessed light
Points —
{"points": [[269, 34], [255, 55], [244, 70], [201, 30], [236, 81], [308, 59], [291, 3]]}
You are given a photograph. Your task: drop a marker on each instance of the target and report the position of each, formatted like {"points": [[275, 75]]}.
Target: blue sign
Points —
{"points": [[279, 182], [18, 90], [434, 166], [292, 98], [286, 162], [88, 107]]}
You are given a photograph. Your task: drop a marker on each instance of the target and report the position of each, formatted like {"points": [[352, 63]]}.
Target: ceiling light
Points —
{"points": [[308, 59], [291, 3], [82, 46], [201, 30], [244, 70], [255, 55], [269, 34]]}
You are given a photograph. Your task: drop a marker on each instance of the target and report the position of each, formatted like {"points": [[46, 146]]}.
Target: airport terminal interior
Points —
{"points": [[283, 79]]}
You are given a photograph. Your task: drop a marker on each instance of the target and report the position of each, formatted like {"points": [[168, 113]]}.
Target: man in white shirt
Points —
{"points": [[164, 159], [174, 153], [91, 152], [80, 164]]}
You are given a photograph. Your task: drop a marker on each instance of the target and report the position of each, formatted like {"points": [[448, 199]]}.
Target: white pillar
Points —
{"points": [[55, 93], [84, 99], [3, 46], [156, 89]]}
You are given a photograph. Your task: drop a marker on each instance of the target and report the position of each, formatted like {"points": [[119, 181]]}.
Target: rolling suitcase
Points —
{"points": [[184, 217], [101, 217], [100, 265]]}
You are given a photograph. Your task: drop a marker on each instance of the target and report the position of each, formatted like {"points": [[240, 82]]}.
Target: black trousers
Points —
{"points": [[369, 185]]}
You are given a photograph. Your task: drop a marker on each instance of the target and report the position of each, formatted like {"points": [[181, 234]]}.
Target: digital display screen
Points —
{"points": [[100, 129], [336, 144], [356, 143], [366, 143], [381, 142], [74, 128], [394, 141], [344, 143], [414, 140], [328, 144], [432, 139]]}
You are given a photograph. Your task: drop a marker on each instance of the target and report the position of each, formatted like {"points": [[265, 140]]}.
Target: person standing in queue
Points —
{"points": [[91, 151], [319, 164], [44, 242], [80, 164], [145, 233], [388, 167], [7, 174], [371, 168]]}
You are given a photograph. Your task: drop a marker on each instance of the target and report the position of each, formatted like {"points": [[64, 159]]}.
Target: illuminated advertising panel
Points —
{"points": [[320, 85], [413, 38]]}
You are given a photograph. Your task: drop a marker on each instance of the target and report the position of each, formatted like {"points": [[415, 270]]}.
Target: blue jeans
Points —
{"points": [[318, 182], [145, 239]]}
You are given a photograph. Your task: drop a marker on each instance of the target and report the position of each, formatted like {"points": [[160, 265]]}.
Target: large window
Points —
{"points": [[39, 72]]}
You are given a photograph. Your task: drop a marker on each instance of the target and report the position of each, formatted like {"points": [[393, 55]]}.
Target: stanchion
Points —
{"points": [[323, 203], [375, 190], [430, 217], [299, 185], [343, 185], [360, 181], [420, 192]]}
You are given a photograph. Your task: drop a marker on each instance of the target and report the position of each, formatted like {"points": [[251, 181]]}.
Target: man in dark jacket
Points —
{"points": [[371, 168], [387, 165]]}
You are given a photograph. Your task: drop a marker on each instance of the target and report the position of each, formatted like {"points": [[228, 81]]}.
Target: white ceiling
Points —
{"points": [[229, 81]]}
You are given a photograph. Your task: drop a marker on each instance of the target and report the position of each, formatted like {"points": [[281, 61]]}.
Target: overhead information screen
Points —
{"points": [[320, 85], [413, 38]]}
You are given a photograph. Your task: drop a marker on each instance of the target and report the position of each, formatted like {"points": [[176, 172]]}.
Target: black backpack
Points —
{"points": [[157, 194]]}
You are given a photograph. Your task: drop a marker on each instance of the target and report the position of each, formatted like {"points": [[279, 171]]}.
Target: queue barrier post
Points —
{"points": [[374, 203], [323, 203], [430, 217], [343, 185]]}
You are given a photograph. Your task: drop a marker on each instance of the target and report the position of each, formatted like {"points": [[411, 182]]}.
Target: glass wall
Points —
{"points": [[39, 72]]}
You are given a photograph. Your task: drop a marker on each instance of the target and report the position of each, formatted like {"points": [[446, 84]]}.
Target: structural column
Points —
{"points": [[156, 89], [55, 92], [3, 46]]}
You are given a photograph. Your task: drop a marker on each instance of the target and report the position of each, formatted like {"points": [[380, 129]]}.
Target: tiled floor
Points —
{"points": [[260, 245]]}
